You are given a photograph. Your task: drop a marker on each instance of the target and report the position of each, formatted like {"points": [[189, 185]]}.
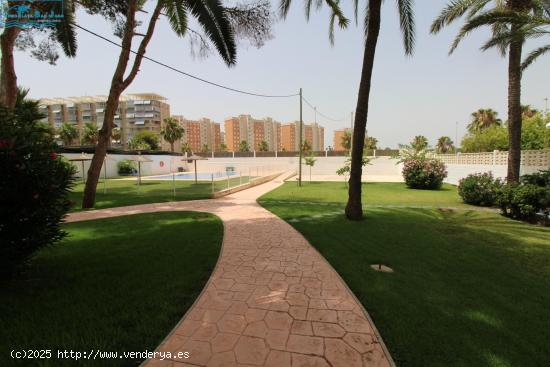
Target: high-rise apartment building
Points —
{"points": [[200, 134], [253, 131], [338, 139], [313, 133], [139, 111]]}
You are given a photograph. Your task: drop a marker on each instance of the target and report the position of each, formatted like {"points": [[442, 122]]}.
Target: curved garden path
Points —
{"points": [[272, 299]]}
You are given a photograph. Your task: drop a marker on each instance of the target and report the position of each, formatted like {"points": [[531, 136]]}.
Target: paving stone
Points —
{"points": [[251, 350], [268, 282], [305, 344]]}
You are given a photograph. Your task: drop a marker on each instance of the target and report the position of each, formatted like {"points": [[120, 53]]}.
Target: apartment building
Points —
{"points": [[313, 133], [254, 131], [138, 111], [199, 134], [338, 136]]}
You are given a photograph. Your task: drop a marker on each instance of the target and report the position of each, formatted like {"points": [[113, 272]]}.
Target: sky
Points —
{"points": [[430, 93]]}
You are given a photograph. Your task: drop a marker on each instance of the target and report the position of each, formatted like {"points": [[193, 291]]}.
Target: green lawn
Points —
{"points": [[117, 284], [469, 288], [122, 192], [373, 194]]}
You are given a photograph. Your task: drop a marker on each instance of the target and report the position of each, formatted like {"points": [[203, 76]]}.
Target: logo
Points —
{"points": [[30, 13]]}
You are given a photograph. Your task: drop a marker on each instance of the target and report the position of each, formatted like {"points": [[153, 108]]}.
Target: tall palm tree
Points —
{"points": [[354, 210], [212, 18], [509, 21], [482, 119], [171, 132], [444, 145], [419, 143]]}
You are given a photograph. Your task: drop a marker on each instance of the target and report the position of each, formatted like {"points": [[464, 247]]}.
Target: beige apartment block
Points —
{"points": [[253, 131], [338, 135], [203, 134], [136, 112]]}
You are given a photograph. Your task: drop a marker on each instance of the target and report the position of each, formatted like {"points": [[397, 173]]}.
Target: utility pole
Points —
{"points": [[456, 134], [546, 106], [301, 127], [315, 109]]}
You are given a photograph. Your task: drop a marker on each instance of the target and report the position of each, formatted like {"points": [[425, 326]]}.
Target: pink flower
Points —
{"points": [[53, 156]]}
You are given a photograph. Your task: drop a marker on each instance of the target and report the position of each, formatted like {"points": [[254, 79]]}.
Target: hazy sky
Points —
{"points": [[424, 94]]}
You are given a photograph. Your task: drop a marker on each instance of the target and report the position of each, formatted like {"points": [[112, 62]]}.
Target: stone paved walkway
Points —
{"points": [[272, 300]]}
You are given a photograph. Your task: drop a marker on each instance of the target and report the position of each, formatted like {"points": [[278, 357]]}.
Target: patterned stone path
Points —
{"points": [[272, 300]]}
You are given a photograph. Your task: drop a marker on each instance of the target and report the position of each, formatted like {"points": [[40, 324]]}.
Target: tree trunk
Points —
{"points": [[354, 210], [172, 146], [514, 109], [118, 85], [8, 77]]}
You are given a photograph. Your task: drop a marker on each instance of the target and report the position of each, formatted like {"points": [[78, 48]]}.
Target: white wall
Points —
{"points": [[459, 171]]}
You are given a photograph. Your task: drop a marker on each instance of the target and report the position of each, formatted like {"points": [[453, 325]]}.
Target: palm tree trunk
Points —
{"points": [[172, 146], [514, 109], [118, 85], [354, 210], [8, 77]]}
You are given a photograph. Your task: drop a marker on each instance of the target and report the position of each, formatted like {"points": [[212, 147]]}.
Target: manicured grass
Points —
{"points": [[373, 194], [118, 284], [122, 192], [469, 288]]}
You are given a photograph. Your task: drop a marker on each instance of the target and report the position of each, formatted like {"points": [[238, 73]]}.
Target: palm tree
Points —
{"points": [[223, 147], [419, 143], [205, 148], [306, 146], [172, 132], [371, 143], [262, 146], [185, 148], [510, 22], [212, 18], [482, 119], [67, 133], [243, 146], [354, 210], [90, 134], [444, 145]]}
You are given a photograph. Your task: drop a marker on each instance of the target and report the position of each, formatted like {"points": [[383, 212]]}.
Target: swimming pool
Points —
{"points": [[203, 176]]}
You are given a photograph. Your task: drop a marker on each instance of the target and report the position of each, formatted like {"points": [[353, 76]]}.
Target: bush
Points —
{"points": [[126, 167], [540, 178], [425, 174], [524, 201], [479, 189], [144, 140], [34, 186]]}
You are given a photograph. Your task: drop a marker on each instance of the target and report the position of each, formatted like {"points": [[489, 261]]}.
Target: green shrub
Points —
{"points": [[424, 174], [479, 189], [144, 140], [126, 167], [524, 201], [34, 186], [540, 178]]}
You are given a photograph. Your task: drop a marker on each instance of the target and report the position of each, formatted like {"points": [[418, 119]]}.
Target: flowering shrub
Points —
{"points": [[34, 186], [425, 174], [479, 189], [525, 201]]}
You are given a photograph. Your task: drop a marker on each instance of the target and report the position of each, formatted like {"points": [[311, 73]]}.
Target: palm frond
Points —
{"points": [[65, 31], [284, 7], [213, 19], [534, 55], [406, 21], [177, 16], [454, 10], [335, 7]]}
